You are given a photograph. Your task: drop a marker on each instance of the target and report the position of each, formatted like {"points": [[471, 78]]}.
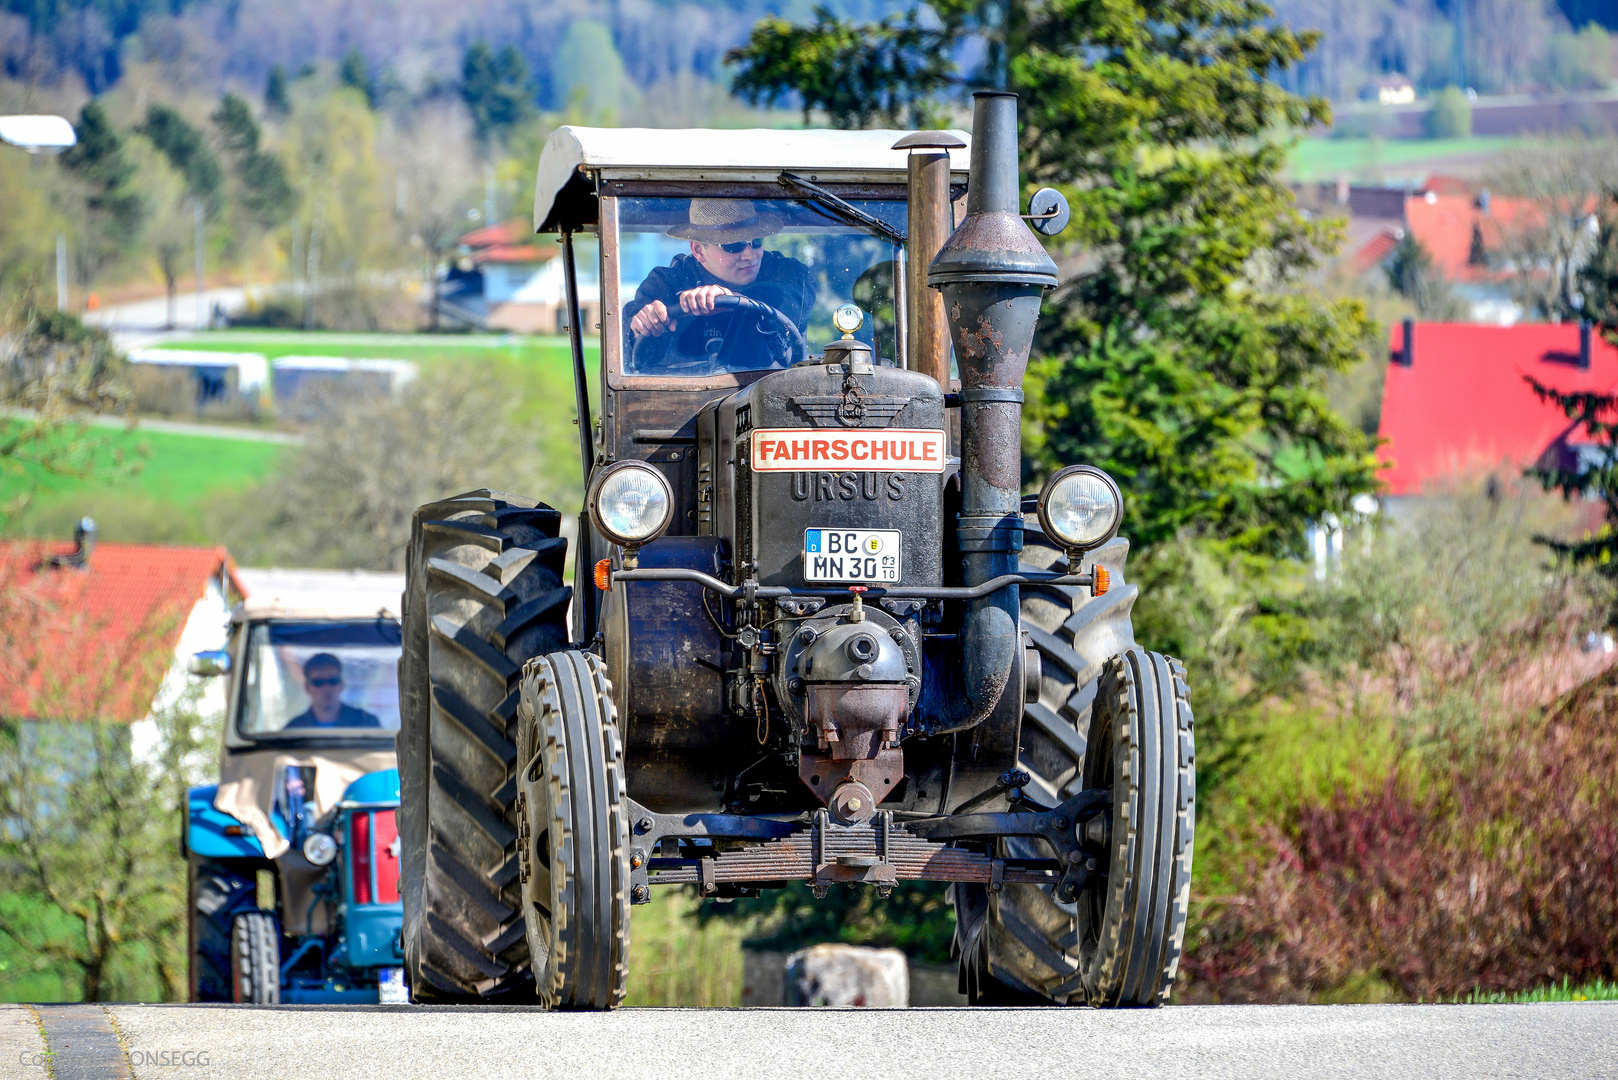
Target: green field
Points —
{"points": [[159, 465], [1316, 159], [148, 486], [421, 348]]}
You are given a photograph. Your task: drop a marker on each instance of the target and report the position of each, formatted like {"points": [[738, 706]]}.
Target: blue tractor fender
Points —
{"points": [[374, 789], [213, 834]]}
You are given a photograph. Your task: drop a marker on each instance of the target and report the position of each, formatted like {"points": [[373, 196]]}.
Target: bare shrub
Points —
{"points": [[344, 498], [1482, 851]]}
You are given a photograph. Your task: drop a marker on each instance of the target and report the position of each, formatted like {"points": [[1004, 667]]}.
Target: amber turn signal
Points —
{"points": [[604, 575], [1100, 579]]}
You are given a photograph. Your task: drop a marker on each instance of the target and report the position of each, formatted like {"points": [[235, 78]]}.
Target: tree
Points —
{"points": [[1451, 115], [355, 74], [344, 498], [892, 71], [587, 73], [114, 208], [435, 178], [1549, 246], [1589, 474], [187, 151], [1187, 356], [171, 222], [497, 91], [341, 232], [264, 191], [1412, 275], [276, 102]]}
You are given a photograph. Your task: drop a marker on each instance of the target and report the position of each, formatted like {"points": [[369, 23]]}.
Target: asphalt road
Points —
{"points": [[1186, 1043]]}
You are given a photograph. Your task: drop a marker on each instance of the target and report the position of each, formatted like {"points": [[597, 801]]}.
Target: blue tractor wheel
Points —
{"points": [[219, 891]]}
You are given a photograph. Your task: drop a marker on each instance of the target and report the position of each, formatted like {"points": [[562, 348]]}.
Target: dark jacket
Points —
{"points": [[347, 716], [783, 282]]}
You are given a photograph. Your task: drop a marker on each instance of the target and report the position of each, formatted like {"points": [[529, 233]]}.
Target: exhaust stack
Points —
{"points": [[993, 274]]}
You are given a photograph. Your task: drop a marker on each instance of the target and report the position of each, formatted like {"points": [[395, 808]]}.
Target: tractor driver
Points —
{"points": [[323, 682], [727, 259]]}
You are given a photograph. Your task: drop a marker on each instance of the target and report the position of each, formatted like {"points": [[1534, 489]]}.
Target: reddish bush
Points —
{"points": [[1501, 874]]}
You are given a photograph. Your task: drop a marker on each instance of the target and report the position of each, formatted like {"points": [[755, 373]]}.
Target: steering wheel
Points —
{"points": [[798, 348]]}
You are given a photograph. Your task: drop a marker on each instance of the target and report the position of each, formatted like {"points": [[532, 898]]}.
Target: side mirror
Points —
{"points": [[1048, 212], [213, 662]]}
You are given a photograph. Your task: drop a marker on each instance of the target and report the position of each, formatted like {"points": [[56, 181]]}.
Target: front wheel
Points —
{"points": [[255, 959], [1131, 924], [573, 832]]}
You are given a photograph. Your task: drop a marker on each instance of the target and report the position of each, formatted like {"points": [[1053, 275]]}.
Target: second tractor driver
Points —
{"points": [[727, 258]]}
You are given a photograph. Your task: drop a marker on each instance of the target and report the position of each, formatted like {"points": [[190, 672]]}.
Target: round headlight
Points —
{"points": [[630, 503], [320, 848], [1080, 508]]}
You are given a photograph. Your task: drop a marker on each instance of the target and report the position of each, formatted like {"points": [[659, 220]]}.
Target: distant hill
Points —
{"points": [[416, 46], [1493, 46]]}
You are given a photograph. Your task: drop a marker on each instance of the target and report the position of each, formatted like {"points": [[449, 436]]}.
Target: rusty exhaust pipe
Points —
{"points": [[993, 274]]}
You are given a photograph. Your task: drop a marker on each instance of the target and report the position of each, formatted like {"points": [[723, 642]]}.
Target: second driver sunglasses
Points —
{"points": [[742, 245]]}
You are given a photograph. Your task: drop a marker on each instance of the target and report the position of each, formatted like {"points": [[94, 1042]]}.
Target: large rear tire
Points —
{"points": [[574, 832], [483, 594], [255, 959], [1017, 946]]}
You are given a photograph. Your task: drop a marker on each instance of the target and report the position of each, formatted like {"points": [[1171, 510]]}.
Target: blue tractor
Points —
{"points": [[293, 857]]}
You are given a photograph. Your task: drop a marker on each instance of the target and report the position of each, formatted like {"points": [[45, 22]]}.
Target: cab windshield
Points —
{"points": [[801, 257], [310, 679]]}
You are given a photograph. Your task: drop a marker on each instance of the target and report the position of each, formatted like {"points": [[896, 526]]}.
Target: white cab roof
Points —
{"points": [[711, 154], [318, 594]]}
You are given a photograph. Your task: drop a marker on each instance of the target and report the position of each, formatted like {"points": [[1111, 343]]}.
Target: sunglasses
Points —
{"points": [[742, 245], [336, 680]]}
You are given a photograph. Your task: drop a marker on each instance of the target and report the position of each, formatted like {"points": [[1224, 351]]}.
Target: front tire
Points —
{"points": [[483, 595], [218, 891], [1131, 925], [255, 959], [574, 833]]}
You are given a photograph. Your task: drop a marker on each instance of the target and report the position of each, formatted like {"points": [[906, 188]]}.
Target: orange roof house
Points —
{"points": [[92, 633]]}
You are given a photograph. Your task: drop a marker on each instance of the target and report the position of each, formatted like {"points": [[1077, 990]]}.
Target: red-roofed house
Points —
{"points": [[1463, 230], [1459, 401], [513, 281], [105, 634]]}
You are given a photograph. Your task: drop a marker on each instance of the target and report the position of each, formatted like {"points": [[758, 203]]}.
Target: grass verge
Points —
{"points": [[675, 962]]}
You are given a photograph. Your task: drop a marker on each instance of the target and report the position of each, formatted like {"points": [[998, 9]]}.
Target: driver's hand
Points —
{"points": [[699, 301], [651, 320]]}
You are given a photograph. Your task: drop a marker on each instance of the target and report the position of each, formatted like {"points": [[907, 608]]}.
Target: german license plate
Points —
{"points": [[851, 555]]}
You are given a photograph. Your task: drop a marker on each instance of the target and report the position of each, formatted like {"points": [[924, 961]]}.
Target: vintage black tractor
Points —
{"points": [[817, 632]]}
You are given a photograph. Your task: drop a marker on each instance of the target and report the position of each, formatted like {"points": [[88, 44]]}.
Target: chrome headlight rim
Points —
{"points": [[1051, 483], [320, 848], [593, 498]]}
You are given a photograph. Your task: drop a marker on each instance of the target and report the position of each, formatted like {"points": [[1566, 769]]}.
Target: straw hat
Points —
{"points": [[726, 221]]}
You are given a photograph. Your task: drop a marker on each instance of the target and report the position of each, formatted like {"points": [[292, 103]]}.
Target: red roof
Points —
{"points": [[514, 231], [94, 644], [1374, 250], [1465, 402], [1446, 224], [525, 253]]}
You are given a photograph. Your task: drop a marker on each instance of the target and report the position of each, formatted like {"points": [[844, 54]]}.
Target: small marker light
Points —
{"points": [[604, 575], [1100, 579]]}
